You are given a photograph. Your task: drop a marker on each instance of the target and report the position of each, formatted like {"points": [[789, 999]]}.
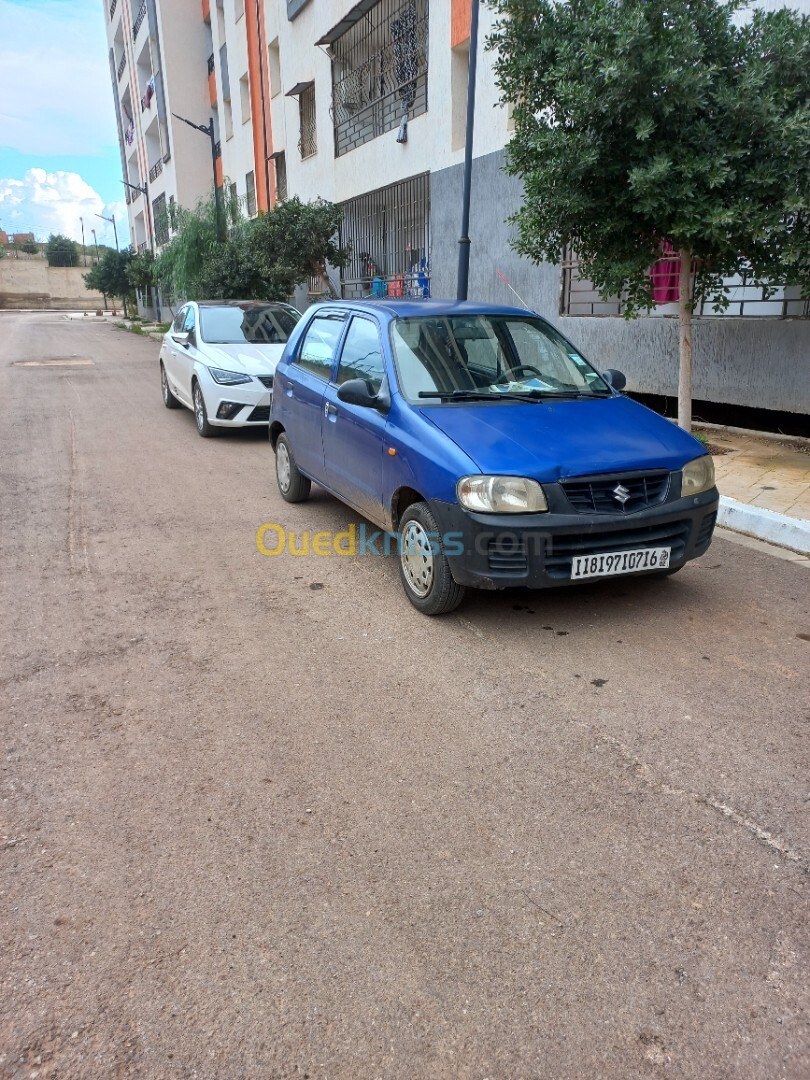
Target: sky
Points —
{"points": [[59, 158]]}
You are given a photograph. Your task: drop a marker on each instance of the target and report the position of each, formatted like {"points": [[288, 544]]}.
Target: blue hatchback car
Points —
{"points": [[487, 446]]}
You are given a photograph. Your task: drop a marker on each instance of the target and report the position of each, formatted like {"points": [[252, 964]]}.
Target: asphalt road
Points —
{"points": [[260, 818]]}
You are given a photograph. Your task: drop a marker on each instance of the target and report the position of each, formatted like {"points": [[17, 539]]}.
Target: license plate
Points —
{"points": [[619, 562]]}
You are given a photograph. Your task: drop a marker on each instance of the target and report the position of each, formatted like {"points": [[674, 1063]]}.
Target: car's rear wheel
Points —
{"points": [[292, 484], [423, 566], [200, 414], [169, 400]]}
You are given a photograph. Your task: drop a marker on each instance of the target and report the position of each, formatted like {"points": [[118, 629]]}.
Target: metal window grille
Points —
{"points": [[139, 20], [113, 6], [281, 176], [388, 231], [250, 185], [211, 64], [156, 170], [579, 297], [307, 141], [160, 219], [379, 72]]}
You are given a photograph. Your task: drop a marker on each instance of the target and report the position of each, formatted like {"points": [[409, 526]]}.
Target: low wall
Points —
{"points": [[31, 283]]}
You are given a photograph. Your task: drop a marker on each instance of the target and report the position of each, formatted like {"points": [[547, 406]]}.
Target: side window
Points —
{"points": [[188, 322], [361, 357], [317, 350]]}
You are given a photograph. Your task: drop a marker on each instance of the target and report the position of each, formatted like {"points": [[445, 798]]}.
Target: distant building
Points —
{"points": [[4, 241], [23, 238]]}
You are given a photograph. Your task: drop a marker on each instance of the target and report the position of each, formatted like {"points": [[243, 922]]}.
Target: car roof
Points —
{"points": [[405, 309], [241, 303]]}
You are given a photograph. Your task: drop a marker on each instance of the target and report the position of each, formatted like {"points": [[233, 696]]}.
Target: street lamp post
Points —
{"points": [[111, 218], [144, 190], [84, 252], [464, 241], [208, 129], [95, 241]]}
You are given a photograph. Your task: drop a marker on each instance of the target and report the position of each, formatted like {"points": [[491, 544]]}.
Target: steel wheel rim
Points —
{"points": [[283, 469], [199, 407], [417, 559]]}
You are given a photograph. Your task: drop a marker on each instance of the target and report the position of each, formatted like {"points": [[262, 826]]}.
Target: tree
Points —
{"points": [[61, 251], [640, 123], [109, 275], [29, 247], [262, 258], [140, 271]]}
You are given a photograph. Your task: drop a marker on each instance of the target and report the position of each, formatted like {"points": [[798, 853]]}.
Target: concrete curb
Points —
{"points": [[788, 532]]}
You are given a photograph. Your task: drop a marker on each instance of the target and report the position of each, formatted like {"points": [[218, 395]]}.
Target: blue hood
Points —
{"points": [[553, 440]]}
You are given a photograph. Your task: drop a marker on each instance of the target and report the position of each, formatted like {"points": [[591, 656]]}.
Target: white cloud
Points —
{"points": [[55, 202], [55, 90]]}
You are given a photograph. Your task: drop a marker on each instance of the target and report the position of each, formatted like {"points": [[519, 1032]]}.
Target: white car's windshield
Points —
{"points": [[486, 356], [252, 324]]}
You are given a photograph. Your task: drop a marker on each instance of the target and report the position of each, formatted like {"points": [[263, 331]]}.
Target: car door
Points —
{"points": [[187, 354], [303, 388], [353, 435], [171, 348]]}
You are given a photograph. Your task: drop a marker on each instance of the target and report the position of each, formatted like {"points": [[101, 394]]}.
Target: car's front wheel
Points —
{"points": [[292, 484], [169, 400], [423, 567], [200, 414]]}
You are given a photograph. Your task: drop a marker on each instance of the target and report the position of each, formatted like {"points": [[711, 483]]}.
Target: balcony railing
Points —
{"points": [[142, 247], [139, 20], [113, 6], [122, 63], [156, 170]]}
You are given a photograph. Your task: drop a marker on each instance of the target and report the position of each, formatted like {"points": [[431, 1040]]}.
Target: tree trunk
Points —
{"points": [[685, 342]]}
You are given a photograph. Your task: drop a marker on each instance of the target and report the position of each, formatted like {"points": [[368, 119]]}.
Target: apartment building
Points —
{"points": [[203, 62]]}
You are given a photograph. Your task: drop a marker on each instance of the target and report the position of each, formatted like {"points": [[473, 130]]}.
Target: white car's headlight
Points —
{"points": [[698, 475], [229, 378], [501, 494]]}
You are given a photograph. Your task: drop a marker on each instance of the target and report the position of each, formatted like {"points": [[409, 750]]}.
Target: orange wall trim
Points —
{"points": [[206, 10], [212, 88], [219, 171], [460, 16], [260, 105]]}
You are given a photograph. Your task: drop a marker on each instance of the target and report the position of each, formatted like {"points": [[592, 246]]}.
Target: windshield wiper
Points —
{"points": [[482, 395]]}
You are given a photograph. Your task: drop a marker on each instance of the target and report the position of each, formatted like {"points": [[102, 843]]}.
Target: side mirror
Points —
{"points": [[615, 378], [357, 392], [181, 337]]}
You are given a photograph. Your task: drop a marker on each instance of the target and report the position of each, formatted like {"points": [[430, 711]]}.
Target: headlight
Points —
{"points": [[229, 378], [698, 475], [501, 494]]}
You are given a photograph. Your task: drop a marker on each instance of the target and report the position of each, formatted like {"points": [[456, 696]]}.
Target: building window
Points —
{"points": [[250, 194], [244, 94], [379, 71], [307, 139], [579, 296], [160, 219], [274, 67], [389, 234], [281, 176]]}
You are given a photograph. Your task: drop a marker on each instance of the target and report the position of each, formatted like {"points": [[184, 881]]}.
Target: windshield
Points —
{"points": [[251, 324], [484, 356]]}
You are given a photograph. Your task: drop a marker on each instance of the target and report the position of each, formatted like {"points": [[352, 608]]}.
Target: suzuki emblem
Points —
{"points": [[621, 494]]}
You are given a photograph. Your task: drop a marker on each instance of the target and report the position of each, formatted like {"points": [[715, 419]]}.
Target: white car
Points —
{"points": [[219, 357]]}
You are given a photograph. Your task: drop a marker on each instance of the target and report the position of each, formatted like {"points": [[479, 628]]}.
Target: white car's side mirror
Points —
{"points": [[181, 338]]}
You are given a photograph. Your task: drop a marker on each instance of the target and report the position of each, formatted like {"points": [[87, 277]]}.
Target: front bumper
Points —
{"points": [[253, 400], [536, 550]]}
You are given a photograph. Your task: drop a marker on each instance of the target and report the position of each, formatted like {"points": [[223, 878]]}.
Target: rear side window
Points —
{"points": [[361, 357], [320, 342]]}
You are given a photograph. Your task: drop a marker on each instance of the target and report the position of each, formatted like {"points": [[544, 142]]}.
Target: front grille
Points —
{"points": [[598, 494], [705, 531], [261, 412], [562, 549], [507, 555], [266, 380]]}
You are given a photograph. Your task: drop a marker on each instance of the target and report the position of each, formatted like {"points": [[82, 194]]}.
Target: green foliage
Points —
{"points": [[61, 251], [648, 120], [140, 271], [29, 247], [262, 258], [109, 275]]}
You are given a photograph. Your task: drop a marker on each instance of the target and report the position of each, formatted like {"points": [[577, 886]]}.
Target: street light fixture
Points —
{"points": [[208, 129], [144, 190], [115, 231]]}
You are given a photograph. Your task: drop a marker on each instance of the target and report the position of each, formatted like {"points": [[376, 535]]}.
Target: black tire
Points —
{"points": [[425, 576], [292, 484], [169, 400], [204, 429]]}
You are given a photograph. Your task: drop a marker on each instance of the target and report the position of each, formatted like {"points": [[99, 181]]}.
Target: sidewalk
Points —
{"points": [[764, 484]]}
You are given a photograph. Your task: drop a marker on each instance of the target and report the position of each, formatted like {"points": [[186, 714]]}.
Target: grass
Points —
{"points": [[702, 439]]}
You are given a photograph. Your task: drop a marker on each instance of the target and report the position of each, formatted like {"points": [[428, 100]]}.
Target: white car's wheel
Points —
{"points": [[200, 413]]}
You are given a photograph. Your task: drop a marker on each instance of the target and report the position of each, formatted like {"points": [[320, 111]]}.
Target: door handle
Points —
{"points": [[329, 410], [288, 390]]}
